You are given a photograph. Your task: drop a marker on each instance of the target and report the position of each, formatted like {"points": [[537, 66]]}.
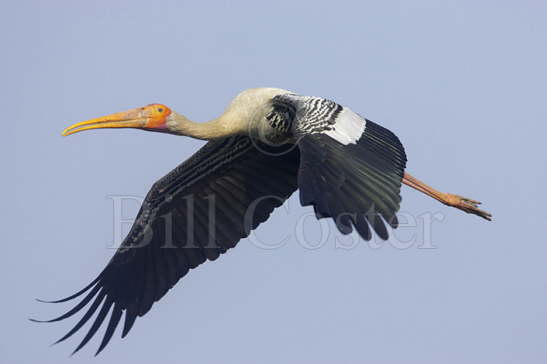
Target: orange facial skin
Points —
{"points": [[158, 114], [150, 117]]}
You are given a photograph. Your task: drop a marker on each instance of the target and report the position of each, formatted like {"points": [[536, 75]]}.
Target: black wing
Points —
{"points": [[350, 169], [196, 212]]}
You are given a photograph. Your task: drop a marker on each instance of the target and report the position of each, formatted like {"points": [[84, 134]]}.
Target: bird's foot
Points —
{"points": [[465, 204], [462, 203]]}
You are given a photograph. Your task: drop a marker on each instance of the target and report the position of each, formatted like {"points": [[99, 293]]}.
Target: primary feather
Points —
{"points": [[268, 143]]}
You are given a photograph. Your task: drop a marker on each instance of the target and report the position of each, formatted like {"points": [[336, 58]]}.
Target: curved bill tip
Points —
{"points": [[65, 132], [134, 118]]}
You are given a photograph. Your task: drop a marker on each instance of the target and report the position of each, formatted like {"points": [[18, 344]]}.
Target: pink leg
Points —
{"points": [[459, 202]]}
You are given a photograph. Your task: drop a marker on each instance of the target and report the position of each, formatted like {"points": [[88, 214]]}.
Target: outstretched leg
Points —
{"points": [[459, 202]]}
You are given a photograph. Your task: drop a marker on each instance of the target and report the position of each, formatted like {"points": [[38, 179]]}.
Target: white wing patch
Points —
{"points": [[348, 127]]}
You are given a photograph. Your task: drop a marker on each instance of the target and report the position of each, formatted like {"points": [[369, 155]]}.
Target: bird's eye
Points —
{"points": [[160, 109]]}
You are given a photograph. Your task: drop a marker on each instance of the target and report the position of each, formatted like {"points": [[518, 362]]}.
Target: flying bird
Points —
{"points": [[267, 144]]}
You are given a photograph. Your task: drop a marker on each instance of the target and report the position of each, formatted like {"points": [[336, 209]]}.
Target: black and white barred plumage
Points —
{"points": [[345, 166], [350, 167]]}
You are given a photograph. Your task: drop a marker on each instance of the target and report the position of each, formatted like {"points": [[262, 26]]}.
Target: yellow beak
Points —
{"points": [[150, 117]]}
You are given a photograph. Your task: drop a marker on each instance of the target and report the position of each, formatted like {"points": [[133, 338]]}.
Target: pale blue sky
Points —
{"points": [[462, 83]]}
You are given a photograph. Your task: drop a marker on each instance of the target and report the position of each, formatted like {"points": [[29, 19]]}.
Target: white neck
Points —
{"points": [[244, 113]]}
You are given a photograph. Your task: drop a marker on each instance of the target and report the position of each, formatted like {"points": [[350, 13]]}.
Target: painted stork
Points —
{"points": [[267, 144]]}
